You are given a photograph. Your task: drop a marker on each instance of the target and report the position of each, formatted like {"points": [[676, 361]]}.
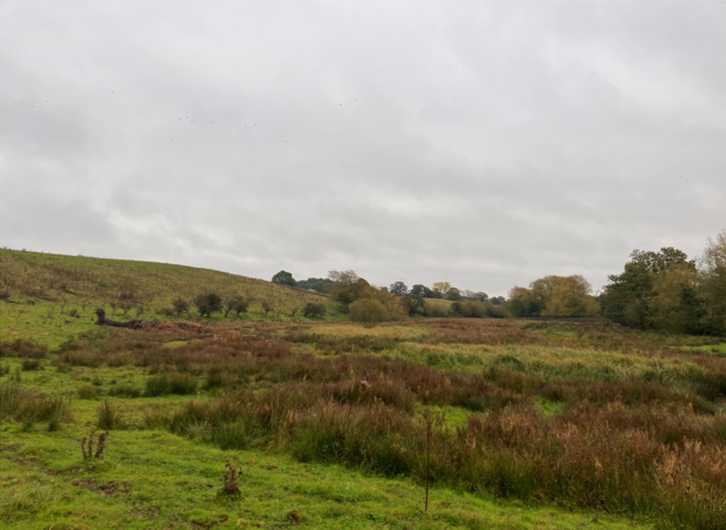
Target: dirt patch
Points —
{"points": [[219, 519], [174, 327], [149, 513]]}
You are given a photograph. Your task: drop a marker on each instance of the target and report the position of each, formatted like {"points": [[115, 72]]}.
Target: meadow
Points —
{"points": [[272, 420]]}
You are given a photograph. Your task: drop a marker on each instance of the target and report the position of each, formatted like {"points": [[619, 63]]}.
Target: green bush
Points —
{"points": [[367, 311], [314, 310]]}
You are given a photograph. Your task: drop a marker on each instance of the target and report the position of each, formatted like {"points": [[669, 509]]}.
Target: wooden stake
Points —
{"points": [[428, 455]]}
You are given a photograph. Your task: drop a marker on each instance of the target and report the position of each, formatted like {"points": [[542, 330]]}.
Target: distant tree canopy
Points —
{"points": [[440, 289], [453, 294], [666, 291], [422, 291], [398, 289], [284, 278], [557, 296], [320, 285]]}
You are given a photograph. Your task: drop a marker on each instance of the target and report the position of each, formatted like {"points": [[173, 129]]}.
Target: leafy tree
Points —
{"points": [[570, 297], [712, 284], [422, 290], [522, 302], [675, 305], [453, 294], [415, 303], [656, 290], [348, 277], [284, 278], [659, 261], [347, 287], [471, 295], [558, 296], [440, 289], [236, 304], [398, 289], [208, 303]]}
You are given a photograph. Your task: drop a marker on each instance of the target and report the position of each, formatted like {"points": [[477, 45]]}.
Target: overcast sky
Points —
{"points": [[484, 144]]}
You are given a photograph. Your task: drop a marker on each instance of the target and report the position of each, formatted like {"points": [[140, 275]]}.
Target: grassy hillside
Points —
{"points": [[50, 298]]}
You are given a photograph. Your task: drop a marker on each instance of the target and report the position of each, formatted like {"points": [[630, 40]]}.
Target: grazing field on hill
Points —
{"points": [[53, 298], [526, 424]]}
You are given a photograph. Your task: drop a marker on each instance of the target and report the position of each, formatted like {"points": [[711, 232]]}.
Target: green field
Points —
{"points": [[526, 424]]}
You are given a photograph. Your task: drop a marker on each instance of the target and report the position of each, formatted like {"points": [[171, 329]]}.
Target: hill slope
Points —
{"points": [[51, 297]]}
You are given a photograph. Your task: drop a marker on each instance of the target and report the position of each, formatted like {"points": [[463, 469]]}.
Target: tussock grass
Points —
{"points": [[170, 383], [22, 348], [24, 405], [109, 418]]}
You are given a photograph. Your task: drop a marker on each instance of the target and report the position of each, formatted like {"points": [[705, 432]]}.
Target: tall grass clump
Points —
{"points": [[108, 418], [20, 404], [170, 383], [23, 348]]}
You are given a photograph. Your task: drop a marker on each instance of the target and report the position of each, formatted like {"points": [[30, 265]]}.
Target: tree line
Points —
{"points": [[663, 291]]}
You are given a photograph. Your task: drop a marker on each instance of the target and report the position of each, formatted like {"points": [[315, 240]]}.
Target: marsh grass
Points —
{"points": [[553, 419], [170, 383]]}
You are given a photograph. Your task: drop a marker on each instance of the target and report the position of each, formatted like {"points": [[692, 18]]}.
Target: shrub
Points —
{"points": [[367, 311], [30, 365], [314, 310], [87, 392], [180, 306]]}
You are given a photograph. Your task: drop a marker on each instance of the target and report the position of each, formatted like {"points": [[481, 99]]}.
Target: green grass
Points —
{"points": [[710, 348]]}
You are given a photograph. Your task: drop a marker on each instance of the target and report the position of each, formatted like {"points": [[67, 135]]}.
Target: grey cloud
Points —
{"points": [[483, 144]]}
